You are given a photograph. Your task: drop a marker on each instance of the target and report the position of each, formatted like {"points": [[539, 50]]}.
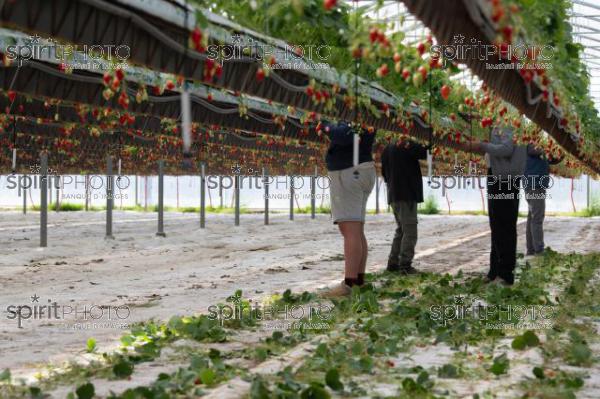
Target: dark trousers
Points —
{"points": [[405, 239], [503, 210]]}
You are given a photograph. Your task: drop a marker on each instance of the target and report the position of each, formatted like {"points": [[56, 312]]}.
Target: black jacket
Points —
{"points": [[341, 149], [402, 172]]}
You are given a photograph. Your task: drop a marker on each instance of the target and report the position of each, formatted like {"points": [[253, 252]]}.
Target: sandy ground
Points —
{"points": [[192, 269]]}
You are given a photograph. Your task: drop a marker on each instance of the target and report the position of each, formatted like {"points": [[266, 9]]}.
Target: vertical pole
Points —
{"points": [[202, 195], [291, 197], [24, 191], [109, 197], [145, 193], [237, 200], [313, 189], [136, 191], [266, 183], [588, 193], [57, 182], [161, 232], [87, 192], [44, 200], [377, 195], [220, 191], [177, 188]]}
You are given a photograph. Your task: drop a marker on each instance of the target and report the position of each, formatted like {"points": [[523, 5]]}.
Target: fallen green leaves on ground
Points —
{"points": [[372, 337]]}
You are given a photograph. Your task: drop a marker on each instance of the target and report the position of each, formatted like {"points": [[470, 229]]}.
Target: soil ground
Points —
{"points": [[192, 268]]}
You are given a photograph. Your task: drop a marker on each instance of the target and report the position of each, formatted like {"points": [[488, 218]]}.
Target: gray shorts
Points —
{"points": [[350, 191]]}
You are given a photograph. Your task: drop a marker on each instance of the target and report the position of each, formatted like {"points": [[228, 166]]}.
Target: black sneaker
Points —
{"points": [[393, 267], [408, 269]]}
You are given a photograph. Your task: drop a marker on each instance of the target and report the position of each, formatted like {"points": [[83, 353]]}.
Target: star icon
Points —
{"points": [[35, 39], [459, 39], [35, 298], [236, 169], [459, 169], [237, 39], [459, 300]]}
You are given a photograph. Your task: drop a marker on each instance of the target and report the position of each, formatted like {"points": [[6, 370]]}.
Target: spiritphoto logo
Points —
{"points": [[242, 47], [77, 182], [535, 183], [519, 56], [70, 55], [287, 316], [72, 316], [494, 316]]}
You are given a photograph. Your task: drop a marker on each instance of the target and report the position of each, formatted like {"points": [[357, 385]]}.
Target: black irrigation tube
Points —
{"points": [[35, 79]]}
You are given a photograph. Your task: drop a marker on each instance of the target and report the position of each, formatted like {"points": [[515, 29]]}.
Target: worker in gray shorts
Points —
{"points": [[350, 187]]}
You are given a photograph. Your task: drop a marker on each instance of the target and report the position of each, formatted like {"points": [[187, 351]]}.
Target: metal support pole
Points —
{"points": [[377, 195], [136, 191], [57, 182], [44, 200], [313, 189], [589, 194], [109, 198], [291, 197], [220, 191], [161, 232], [87, 192], [266, 183], [24, 192], [145, 193], [202, 195], [237, 200]]}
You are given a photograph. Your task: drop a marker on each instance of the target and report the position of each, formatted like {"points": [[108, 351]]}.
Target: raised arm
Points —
{"points": [[340, 134], [418, 151], [384, 161], [503, 149]]}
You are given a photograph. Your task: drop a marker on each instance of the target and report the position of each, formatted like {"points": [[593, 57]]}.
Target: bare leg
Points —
{"points": [[353, 247], [365, 246]]}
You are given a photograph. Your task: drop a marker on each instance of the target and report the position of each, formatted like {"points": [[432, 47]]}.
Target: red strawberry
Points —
{"points": [[497, 14], [329, 4], [445, 92], [260, 74], [507, 32], [107, 78], [196, 35], [115, 84], [382, 71], [405, 73], [12, 95], [373, 35]]}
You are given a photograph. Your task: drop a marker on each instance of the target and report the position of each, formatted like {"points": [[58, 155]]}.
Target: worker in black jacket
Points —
{"points": [[402, 174]]}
